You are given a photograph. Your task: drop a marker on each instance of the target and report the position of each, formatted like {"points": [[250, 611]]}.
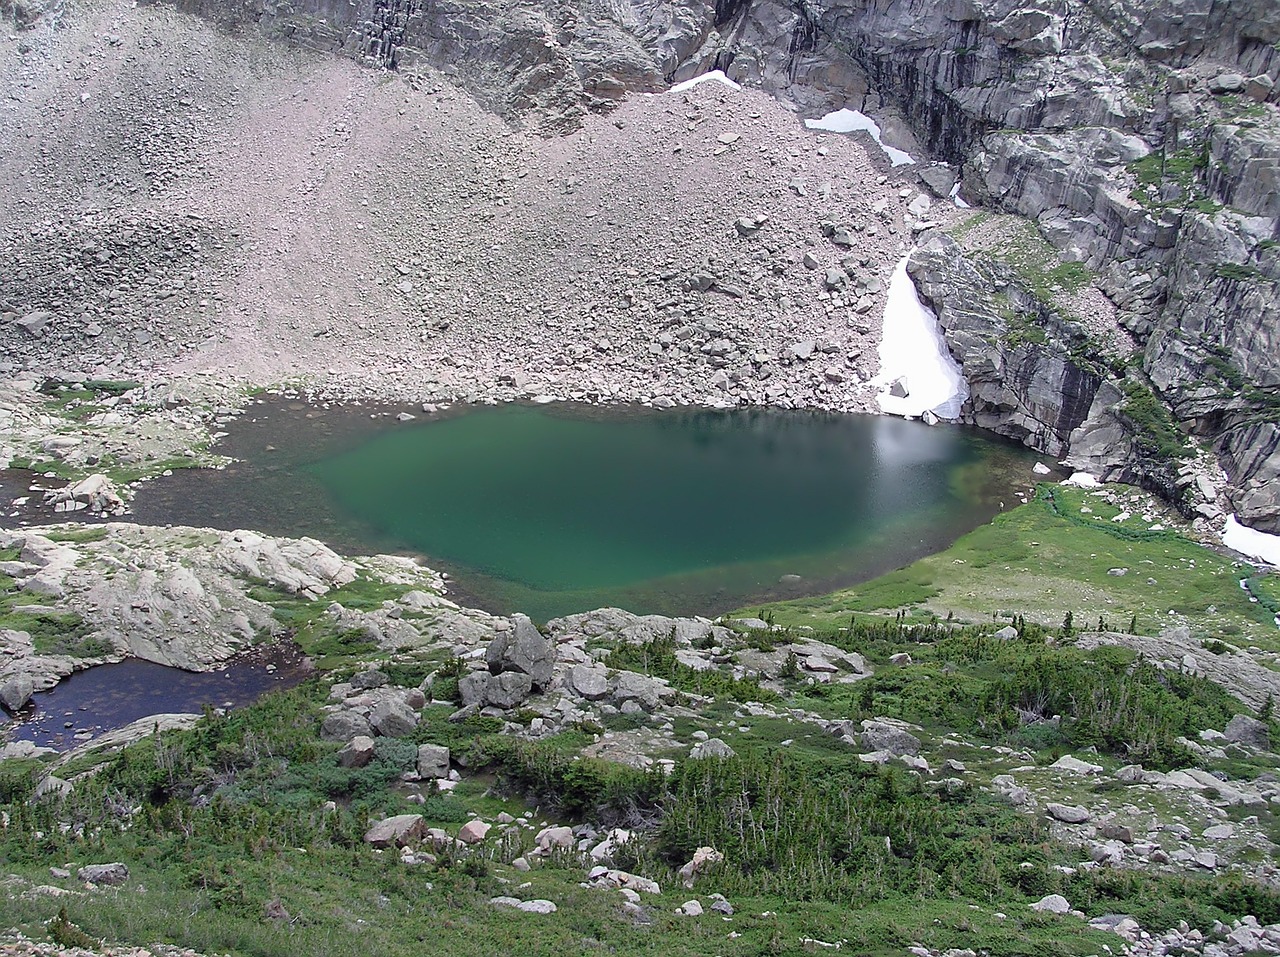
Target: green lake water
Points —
{"points": [[556, 509]]}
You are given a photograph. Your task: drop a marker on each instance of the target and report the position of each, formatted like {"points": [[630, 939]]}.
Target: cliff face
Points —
{"points": [[1141, 136]]}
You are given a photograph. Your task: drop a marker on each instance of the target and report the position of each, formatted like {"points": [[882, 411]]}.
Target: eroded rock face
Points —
{"points": [[1029, 390]]}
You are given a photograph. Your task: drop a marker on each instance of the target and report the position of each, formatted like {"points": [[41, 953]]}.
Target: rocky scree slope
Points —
{"points": [[398, 239], [1140, 136]]}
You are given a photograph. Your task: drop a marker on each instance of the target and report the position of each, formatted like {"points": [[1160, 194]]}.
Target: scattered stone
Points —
{"points": [[1068, 813], [358, 752]]}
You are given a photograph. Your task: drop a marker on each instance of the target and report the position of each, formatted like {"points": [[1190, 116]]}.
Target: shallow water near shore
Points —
{"points": [[556, 509], [88, 703]]}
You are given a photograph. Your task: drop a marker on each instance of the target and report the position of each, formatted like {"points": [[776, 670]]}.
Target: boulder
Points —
{"points": [[357, 753], [393, 718], [645, 691], [114, 873], [589, 681], [703, 859], [878, 736], [690, 909], [16, 691], [508, 689], [433, 761], [1068, 813], [343, 726], [552, 837], [712, 748], [1241, 729], [398, 831], [522, 649], [473, 832], [368, 680], [1007, 633], [1053, 904]]}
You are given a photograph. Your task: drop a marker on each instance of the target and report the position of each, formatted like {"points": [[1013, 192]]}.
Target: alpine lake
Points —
{"points": [[556, 509]]}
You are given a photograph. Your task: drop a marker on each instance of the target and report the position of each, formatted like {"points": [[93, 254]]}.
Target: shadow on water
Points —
{"points": [[88, 703]]}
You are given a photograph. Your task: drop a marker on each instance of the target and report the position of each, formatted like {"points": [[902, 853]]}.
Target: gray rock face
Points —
{"points": [[1028, 389], [523, 649], [589, 681]]}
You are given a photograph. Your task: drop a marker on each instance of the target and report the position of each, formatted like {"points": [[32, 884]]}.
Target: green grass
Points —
{"points": [[1043, 561]]}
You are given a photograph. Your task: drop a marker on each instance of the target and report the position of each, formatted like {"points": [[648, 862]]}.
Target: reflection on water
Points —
{"points": [[562, 508]]}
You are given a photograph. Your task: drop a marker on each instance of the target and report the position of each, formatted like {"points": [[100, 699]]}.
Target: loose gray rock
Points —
{"points": [[16, 691], [1052, 904], [433, 761], [393, 718], [1241, 729], [114, 873], [1068, 813], [877, 736], [522, 649], [343, 726], [398, 831], [358, 752], [711, 748]]}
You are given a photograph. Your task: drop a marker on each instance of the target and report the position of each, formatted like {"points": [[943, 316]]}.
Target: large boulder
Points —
{"points": [[481, 689], [393, 718], [343, 726], [433, 761], [878, 736], [358, 752], [16, 691], [589, 681], [1243, 729], [523, 649], [396, 831]]}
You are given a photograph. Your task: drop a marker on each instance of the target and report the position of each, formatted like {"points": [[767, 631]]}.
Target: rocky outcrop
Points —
{"points": [[1015, 353]]}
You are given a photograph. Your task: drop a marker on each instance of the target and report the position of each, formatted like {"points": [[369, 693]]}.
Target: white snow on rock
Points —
{"points": [[912, 348], [848, 121], [1082, 480], [717, 75], [1249, 541], [955, 197]]}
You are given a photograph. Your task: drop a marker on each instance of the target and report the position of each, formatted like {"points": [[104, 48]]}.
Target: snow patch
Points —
{"points": [[912, 348], [1249, 541], [717, 75], [955, 197], [1082, 480], [849, 121]]}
